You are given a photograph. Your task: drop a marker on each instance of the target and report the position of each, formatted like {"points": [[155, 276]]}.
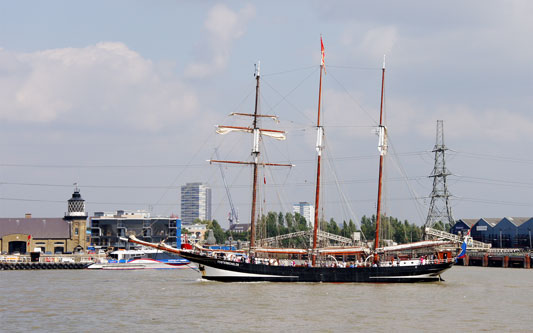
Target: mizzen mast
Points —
{"points": [[319, 148], [257, 133], [382, 147]]}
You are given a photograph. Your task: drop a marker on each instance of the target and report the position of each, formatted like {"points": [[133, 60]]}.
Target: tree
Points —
{"points": [[368, 227], [290, 222], [333, 227]]}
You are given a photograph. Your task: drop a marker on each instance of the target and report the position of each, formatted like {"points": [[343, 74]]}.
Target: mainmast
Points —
{"points": [[382, 147], [319, 147], [257, 133]]}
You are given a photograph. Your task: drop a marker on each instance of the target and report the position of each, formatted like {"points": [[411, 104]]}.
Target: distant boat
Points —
{"points": [[141, 259], [318, 264]]}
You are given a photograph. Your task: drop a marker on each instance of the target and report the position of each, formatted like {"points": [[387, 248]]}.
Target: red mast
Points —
{"points": [[319, 147], [382, 147]]}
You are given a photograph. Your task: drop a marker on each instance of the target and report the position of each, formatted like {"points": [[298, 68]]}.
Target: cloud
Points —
{"points": [[373, 44], [222, 27], [106, 84], [461, 122]]}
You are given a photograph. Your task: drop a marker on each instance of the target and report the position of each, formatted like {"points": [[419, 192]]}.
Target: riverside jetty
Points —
{"points": [[506, 258]]}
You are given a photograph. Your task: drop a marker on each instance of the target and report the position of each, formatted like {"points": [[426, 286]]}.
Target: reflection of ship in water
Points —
{"points": [[141, 259]]}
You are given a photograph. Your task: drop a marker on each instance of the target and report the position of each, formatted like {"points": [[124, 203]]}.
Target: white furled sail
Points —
{"points": [[382, 145], [278, 135], [228, 129], [319, 139]]}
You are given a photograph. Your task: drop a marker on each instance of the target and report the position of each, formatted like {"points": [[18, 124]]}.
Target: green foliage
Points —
{"points": [[442, 226], [275, 224], [242, 236], [219, 234]]}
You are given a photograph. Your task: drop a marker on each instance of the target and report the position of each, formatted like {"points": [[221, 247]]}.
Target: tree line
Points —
{"points": [[275, 224]]}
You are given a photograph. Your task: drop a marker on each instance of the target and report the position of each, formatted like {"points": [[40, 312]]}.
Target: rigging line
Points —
{"points": [[270, 173], [343, 195], [497, 202], [493, 157], [412, 192], [277, 185], [241, 103], [349, 126], [289, 71], [333, 171], [67, 166], [373, 200], [354, 100], [356, 68], [73, 166], [274, 184], [91, 186], [173, 183], [88, 202], [284, 97], [496, 182]]}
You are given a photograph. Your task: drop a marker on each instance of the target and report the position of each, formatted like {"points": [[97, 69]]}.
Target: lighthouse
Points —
{"points": [[77, 218]]}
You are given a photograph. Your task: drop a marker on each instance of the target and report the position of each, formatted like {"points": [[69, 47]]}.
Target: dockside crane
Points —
{"points": [[233, 216]]}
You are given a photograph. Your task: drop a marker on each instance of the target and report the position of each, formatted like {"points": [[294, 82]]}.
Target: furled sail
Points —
{"points": [[278, 135]]}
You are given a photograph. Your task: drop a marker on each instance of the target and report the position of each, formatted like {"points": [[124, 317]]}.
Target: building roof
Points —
{"points": [[36, 227], [469, 222], [518, 221], [492, 221]]}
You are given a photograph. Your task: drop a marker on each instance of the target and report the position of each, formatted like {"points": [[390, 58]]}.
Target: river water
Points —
{"points": [[471, 299]]}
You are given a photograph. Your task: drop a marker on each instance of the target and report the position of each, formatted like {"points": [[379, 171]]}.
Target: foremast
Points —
{"points": [[257, 133], [382, 147], [319, 148]]}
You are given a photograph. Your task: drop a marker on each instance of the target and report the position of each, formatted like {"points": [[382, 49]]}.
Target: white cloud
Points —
{"points": [[371, 45], [223, 26], [461, 122], [106, 84]]}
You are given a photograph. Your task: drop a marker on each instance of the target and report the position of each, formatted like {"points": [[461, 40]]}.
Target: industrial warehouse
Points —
{"points": [[507, 232]]}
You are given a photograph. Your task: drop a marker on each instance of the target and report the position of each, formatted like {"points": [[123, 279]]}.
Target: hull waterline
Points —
{"points": [[230, 271]]}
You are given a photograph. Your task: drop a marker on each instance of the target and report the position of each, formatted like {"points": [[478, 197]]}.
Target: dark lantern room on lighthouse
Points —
{"points": [[77, 217]]}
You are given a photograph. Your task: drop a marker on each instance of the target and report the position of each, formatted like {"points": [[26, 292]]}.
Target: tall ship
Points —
{"points": [[362, 263]]}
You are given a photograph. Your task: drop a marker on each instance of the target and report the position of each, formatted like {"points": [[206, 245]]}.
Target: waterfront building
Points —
{"points": [[507, 232], [196, 232], [306, 210], [462, 226], [240, 227], [482, 230], [195, 203], [525, 230], [107, 229], [47, 235]]}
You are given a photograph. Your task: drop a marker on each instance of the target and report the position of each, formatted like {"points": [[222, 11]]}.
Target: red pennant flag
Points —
{"points": [[322, 51], [264, 180]]}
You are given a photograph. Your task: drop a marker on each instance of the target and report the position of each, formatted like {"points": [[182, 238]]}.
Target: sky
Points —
{"points": [[122, 98]]}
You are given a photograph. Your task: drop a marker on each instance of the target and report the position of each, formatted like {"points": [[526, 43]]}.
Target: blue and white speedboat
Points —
{"points": [[141, 259]]}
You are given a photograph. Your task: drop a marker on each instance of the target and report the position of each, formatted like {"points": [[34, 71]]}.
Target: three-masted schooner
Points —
{"points": [[229, 268]]}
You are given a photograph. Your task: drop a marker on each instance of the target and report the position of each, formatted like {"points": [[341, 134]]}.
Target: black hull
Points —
{"points": [[229, 271]]}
